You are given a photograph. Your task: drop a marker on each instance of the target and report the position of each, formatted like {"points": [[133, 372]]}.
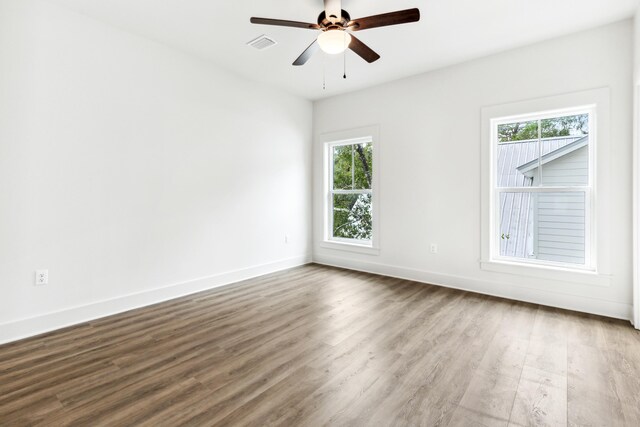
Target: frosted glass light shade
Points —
{"points": [[334, 41]]}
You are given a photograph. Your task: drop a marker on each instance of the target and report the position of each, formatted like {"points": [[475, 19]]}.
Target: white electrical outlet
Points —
{"points": [[286, 238], [42, 277], [434, 248]]}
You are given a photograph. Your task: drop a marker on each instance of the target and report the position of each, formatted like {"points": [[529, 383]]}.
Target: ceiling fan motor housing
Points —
{"points": [[325, 22]]}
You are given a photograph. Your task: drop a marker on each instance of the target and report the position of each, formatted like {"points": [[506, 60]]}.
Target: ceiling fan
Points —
{"points": [[336, 27]]}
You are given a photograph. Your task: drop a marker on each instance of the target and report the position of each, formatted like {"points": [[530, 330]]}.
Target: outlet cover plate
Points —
{"points": [[42, 277]]}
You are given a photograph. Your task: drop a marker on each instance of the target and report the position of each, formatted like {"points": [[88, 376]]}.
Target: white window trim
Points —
{"points": [[349, 137], [596, 272]]}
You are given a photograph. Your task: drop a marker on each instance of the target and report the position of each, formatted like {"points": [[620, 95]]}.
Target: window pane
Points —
{"points": [[518, 131], [363, 165], [352, 216], [561, 227], [516, 225], [565, 151], [544, 226], [577, 125], [342, 167]]}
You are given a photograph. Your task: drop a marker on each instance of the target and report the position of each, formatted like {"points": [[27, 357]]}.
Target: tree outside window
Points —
{"points": [[350, 188]]}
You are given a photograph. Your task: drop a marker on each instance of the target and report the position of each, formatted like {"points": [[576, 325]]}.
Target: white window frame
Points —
{"points": [[587, 190], [597, 259], [351, 137]]}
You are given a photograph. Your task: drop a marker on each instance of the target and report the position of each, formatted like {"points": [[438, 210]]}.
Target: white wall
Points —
{"points": [[127, 167], [636, 47], [430, 165]]}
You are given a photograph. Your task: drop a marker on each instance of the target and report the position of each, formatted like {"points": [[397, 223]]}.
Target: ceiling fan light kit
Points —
{"points": [[334, 41], [336, 28]]}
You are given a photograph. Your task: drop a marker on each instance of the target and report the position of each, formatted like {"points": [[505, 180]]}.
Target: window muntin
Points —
{"points": [[350, 192], [542, 191]]}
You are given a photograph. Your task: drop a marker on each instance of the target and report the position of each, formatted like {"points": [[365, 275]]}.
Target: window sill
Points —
{"points": [[350, 247], [585, 277]]}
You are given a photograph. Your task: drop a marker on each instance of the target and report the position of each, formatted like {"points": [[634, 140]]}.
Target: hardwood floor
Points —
{"points": [[322, 346]]}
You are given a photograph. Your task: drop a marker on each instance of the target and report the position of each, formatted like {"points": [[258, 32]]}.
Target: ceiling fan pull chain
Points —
{"points": [[324, 73], [344, 60]]}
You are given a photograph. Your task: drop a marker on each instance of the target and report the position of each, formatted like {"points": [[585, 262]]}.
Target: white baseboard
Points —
{"points": [[536, 296], [25, 328]]}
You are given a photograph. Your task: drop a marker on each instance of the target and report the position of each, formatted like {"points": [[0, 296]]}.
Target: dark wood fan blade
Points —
{"points": [[284, 23], [393, 18], [363, 50], [307, 54]]}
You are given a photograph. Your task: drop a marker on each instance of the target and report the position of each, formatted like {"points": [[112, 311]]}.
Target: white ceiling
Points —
{"points": [[450, 31]]}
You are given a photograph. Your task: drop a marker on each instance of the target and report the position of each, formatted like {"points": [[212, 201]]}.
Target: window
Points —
{"points": [[350, 196], [542, 188]]}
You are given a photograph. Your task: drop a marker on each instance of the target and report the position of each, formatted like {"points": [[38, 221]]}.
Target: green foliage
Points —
{"points": [[352, 167], [352, 170], [363, 161], [352, 216], [557, 127], [342, 165]]}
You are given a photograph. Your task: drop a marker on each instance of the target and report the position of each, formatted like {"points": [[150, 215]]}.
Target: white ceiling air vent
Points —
{"points": [[261, 43]]}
